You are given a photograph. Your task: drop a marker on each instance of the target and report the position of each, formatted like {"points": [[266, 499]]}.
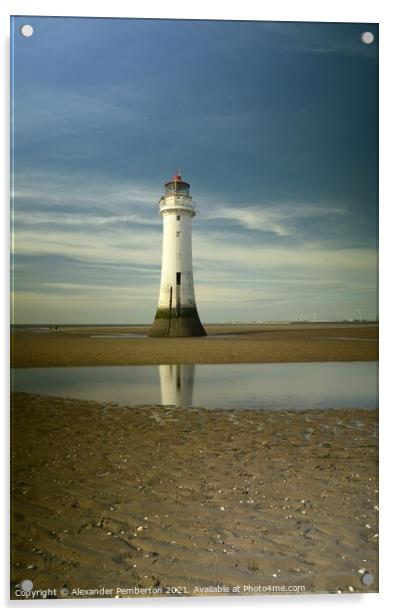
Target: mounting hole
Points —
{"points": [[26, 30], [27, 585], [367, 38], [367, 579]]}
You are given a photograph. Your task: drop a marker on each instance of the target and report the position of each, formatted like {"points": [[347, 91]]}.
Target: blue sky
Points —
{"points": [[273, 124]]}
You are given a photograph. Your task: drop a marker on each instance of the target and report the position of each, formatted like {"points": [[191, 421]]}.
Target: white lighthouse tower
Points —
{"points": [[177, 314]]}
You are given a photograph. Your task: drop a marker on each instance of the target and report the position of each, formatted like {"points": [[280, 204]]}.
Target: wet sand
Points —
{"points": [[157, 497], [74, 346]]}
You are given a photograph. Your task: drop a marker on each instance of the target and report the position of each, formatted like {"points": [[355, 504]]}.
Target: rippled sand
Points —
{"points": [[157, 497]]}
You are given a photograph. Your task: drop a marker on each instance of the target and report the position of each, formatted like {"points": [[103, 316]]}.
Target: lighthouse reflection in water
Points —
{"points": [[176, 384], [330, 385]]}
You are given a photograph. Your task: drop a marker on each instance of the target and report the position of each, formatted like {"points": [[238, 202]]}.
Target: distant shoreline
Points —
{"points": [[208, 324]]}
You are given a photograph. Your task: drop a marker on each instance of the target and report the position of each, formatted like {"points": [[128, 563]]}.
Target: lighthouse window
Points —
{"points": [[178, 233], [170, 187], [178, 275], [178, 217]]}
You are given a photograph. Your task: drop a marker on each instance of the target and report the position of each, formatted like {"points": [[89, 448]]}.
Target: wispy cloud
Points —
{"points": [[327, 39], [277, 218], [82, 190], [64, 219], [44, 114]]}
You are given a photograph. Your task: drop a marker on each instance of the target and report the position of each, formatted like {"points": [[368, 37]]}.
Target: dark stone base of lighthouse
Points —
{"points": [[173, 323]]}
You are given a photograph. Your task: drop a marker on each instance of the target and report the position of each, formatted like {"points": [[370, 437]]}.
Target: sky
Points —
{"points": [[274, 125]]}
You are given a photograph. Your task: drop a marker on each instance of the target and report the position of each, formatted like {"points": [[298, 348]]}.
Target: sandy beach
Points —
{"points": [[75, 346], [153, 498], [139, 500]]}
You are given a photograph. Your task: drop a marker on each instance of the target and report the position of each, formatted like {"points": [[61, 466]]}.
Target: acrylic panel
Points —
{"points": [[194, 405]]}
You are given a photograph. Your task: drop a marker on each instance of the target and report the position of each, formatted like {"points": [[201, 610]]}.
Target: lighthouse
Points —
{"points": [[176, 315]]}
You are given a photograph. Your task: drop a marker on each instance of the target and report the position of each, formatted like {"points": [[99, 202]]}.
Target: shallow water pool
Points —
{"points": [[278, 386]]}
